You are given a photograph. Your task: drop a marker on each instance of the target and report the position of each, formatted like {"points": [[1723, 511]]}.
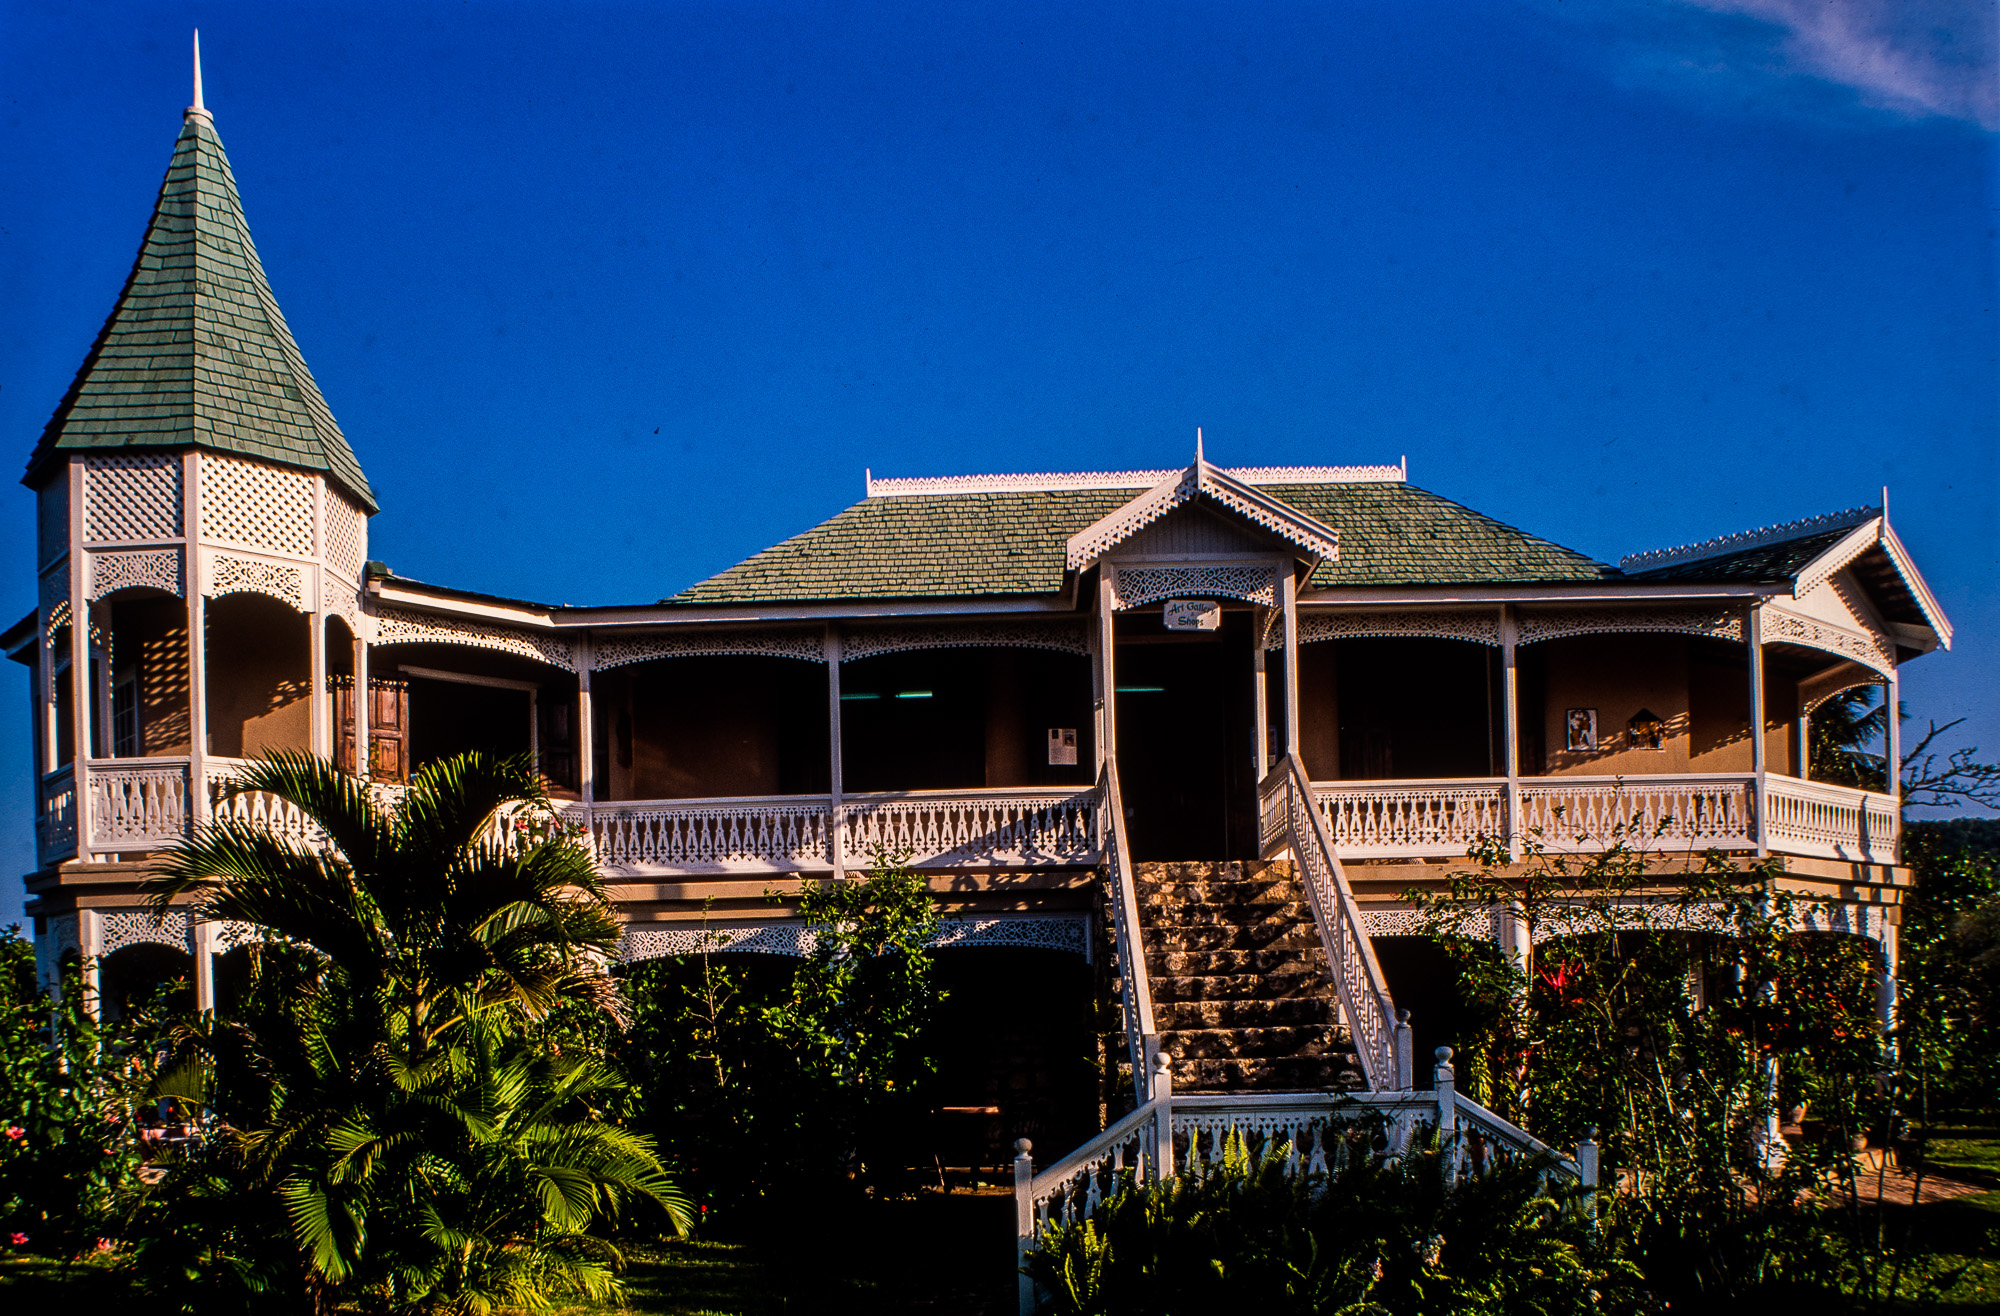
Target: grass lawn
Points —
{"points": [[1966, 1230]]}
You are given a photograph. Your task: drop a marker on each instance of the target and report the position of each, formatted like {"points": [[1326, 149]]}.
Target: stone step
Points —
{"points": [[1281, 985], [1172, 1016], [1223, 937], [1201, 870], [1279, 1074], [1153, 895], [1200, 913], [1194, 963], [1257, 1043]]}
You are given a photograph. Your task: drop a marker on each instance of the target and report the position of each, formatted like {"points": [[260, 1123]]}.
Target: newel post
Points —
{"points": [[1586, 1170], [1163, 1119], [1024, 1221], [1406, 1063], [1445, 1079]]}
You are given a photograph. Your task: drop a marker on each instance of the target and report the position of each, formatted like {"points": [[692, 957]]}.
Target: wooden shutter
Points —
{"points": [[342, 689], [389, 729]]}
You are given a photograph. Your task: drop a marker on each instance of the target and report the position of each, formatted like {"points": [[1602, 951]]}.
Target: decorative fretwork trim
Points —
{"points": [[620, 650], [240, 575], [1132, 587], [1718, 623], [1202, 481], [397, 626], [154, 568], [1859, 920], [1063, 932], [1832, 560], [1061, 636], [340, 599], [124, 928], [1736, 543], [944, 485], [55, 597], [1322, 624], [1783, 627]]}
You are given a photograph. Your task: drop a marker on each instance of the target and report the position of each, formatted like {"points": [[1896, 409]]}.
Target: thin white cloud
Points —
{"points": [[1916, 58]]}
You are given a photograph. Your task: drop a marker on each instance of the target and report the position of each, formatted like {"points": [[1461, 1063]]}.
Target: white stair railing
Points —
{"points": [[1291, 816], [1141, 1033]]}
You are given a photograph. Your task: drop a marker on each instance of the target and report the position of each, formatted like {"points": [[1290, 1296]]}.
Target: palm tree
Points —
{"points": [[389, 1085]]}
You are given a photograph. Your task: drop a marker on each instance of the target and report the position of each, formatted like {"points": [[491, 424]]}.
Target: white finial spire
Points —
{"points": [[1197, 445], [197, 108]]}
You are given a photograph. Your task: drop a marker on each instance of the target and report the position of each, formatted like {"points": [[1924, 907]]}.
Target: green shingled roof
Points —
{"points": [[196, 352], [975, 544]]}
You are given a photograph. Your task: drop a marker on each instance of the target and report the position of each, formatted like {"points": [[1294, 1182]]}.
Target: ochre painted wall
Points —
{"points": [[1618, 675], [258, 674]]}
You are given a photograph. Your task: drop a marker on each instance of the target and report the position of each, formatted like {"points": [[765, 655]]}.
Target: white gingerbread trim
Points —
{"points": [[1717, 623], [1055, 482], [133, 927], [401, 626], [1722, 545], [1783, 627], [228, 574], [619, 650], [1316, 624], [1136, 586], [153, 568], [1060, 636], [1202, 481]]}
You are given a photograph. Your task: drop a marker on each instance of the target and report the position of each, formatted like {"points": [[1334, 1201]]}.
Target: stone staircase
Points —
{"points": [[1241, 992]]}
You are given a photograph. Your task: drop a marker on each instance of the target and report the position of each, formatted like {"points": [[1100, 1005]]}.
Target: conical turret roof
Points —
{"points": [[196, 354]]}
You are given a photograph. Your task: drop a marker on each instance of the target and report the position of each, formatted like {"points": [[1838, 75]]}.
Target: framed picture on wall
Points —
{"points": [[1062, 747], [1580, 730]]}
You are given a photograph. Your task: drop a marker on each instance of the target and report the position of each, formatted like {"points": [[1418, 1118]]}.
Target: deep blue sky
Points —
{"points": [[606, 297]]}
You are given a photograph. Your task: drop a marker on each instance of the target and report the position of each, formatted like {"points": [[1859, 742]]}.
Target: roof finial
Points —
{"points": [[1197, 445], [198, 109]]}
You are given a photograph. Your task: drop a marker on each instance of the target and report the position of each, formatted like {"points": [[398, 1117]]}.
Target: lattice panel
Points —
{"points": [[346, 537], [256, 505], [130, 499], [1134, 587]]}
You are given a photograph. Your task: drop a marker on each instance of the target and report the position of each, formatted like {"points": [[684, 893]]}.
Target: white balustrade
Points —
{"points": [[1680, 811], [768, 834], [1410, 819], [977, 826], [137, 804], [55, 823], [1832, 822], [256, 809], [1135, 990]]}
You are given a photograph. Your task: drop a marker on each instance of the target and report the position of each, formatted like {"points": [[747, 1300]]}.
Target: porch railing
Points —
{"points": [[55, 819], [1290, 818], [1690, 811], [994, 826], [1135, 990], [256, 809], [136, 805], [761, 834], [1168, 1133]]}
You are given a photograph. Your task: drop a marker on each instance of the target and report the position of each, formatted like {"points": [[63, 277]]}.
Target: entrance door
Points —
{"points": [[1184, 714]]}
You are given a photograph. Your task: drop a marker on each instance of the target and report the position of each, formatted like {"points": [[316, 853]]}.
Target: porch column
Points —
{"points": [[1754, 636], [1107, 671], [1894, 749], [202, 934], [1288, 595], [322, 732], [364, 699], [90, 946], [836, 821], [1260, 718], [82, 689], [194, 577], [1510, 723], [586, 725], [1885, 984]]}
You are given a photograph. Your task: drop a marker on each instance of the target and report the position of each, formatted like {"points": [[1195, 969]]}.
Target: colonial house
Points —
{"points": [[1168, 745]]}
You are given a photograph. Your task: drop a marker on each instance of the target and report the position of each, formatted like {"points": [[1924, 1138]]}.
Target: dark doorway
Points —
{"points": [[1184, 739], [447, 718], [1423, 978]]}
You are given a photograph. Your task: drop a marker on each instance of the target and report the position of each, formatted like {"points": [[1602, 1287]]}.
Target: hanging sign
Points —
{"points": [[1193, 615]]}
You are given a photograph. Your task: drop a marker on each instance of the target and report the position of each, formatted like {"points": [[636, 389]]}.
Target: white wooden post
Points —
{"points": [[586, 725], [1510, 722], [1406, 1064], [321, 732], [1444, 1080], [1163, 1117], [1107, 669], [1288, 594], [1260, 697], [82, 688], [1889, 951], [202, 934], [194, 578], [90, 946], [836, 819], [1024, 1221], [1894, 751], [1754, 637], [364, 699], [1586, 1170]]}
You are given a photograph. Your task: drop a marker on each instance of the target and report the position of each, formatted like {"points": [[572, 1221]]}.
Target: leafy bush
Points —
{"points": [[1378, 1236]]}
